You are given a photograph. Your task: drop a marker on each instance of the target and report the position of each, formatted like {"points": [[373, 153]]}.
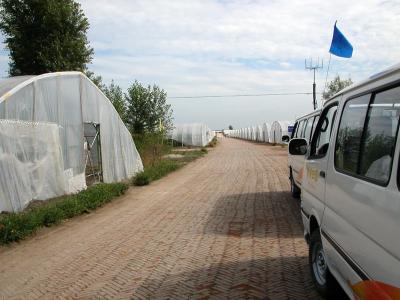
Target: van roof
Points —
{"points": [[315, 112], [372, 78]]}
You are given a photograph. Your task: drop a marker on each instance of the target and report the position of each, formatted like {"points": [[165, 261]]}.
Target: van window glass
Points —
{"points": [[300, 129], [307, 131], [304, 128], [350, 130], [296, 129], [325, 130], [296, 125], [315, 124], [379, 139]]}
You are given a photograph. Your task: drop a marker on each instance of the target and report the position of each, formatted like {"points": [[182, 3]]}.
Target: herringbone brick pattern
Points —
{"points": [[223, 227]]}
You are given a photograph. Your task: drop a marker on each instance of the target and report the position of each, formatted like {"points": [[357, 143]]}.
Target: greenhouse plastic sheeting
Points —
{"points": [[31, 163], [195, 134], [266, 131], [278, 130], [65, 101], [259, 133]]}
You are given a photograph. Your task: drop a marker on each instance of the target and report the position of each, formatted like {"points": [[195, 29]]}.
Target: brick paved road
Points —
{"points": [[223, 227]]}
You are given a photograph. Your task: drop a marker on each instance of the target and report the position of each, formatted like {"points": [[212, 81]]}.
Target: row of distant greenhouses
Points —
{"points": [[277, 132], [194, 134]]}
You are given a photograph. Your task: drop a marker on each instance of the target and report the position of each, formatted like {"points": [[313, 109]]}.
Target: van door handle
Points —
{"points": [[322, 174]]}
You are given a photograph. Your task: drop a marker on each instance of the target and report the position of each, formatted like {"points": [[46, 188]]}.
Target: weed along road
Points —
{"points": [[224, 226]]}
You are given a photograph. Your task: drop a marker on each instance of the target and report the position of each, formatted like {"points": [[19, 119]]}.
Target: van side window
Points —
{"points": [[307, 131], [315, 124], [379, 139], [320, 140], [300, 129], [304, 128], [367, 135], [350, 130]]}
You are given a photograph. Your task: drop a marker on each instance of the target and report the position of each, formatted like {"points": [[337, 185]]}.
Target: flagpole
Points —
{"points": [[326, 78]]}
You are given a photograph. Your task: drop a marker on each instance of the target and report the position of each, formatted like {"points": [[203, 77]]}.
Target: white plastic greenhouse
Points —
{"points": [[259, 133], [266, 131], [59, 132], [195, 134], [279, 129]]}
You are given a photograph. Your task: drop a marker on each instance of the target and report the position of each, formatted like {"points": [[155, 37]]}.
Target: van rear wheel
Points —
{"points": [[294, 189], [319, 269]]}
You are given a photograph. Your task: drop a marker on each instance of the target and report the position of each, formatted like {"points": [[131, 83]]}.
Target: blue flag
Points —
{"points": [[340, 45]]}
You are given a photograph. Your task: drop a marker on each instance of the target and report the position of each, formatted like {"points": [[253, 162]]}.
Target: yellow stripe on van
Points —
{"points": [[312, 174], [375, 290]]}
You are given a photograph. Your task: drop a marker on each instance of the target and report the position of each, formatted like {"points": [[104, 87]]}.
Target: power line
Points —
{"points": [[240, 95]]}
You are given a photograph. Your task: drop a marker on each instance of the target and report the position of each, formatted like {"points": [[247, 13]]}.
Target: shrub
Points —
{"points": [[16, 226], [151, 147], [141, 179], [213, 142]]}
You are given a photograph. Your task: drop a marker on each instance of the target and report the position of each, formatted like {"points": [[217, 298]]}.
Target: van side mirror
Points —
{"points": [[298, 147], [285, 138]]}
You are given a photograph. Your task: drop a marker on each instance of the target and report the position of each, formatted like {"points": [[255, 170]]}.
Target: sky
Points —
{"points": [[221, 47]]}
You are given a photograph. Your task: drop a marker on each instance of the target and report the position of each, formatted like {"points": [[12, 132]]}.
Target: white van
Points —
{"points": [[303, 128], [350, 198]]}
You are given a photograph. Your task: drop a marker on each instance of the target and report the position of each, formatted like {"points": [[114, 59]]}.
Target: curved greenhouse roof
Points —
{"points": [[194, 134], [52, 128], [280, 129]]}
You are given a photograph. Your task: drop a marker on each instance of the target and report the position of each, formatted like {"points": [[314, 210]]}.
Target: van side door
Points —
{"points": [[297, 161], [362, 216], [314, 176]]}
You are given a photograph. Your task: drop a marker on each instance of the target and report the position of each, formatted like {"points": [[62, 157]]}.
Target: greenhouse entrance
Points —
{"points": [[93, 162]]}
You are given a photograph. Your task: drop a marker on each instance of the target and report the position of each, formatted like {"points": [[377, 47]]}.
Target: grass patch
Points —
{"points": [[163, 167], [17, 226], [154, 149], [155, 171], [189, 156]]}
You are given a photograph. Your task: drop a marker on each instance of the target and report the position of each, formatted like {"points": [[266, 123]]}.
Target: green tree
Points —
{"points": [[45, 36], [335, 86], [96, 79], [230, 127], [147, 108], [116, 96]]}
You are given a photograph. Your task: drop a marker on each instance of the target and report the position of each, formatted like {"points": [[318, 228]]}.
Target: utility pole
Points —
{"points": [[309, 65]]}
